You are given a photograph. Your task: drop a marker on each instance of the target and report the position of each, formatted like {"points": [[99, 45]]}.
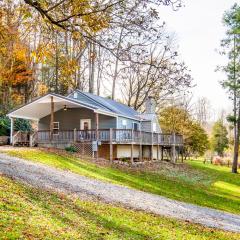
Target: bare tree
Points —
{"points": [[159, 75], [202, 111]]}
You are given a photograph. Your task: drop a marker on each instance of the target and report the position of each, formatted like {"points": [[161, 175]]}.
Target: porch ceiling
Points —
{"points": [[42, 107]]}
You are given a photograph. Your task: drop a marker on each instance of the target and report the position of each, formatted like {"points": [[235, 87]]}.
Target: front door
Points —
{"points": [[85, 124]]}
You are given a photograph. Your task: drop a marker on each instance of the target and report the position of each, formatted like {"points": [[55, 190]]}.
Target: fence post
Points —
{"points": [[111, 144]]}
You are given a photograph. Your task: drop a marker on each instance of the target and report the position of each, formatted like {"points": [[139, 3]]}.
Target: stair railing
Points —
{"points": [[16, 137], [33, 139]]}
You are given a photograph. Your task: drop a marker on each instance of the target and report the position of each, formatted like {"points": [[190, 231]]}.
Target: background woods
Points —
{"points": [[117, 49], [95, 46]]}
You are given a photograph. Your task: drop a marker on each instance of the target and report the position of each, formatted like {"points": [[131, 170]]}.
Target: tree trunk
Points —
{"points": [[116, 65], [237, 118], [91, 66], [56, 66], [236, 145]]}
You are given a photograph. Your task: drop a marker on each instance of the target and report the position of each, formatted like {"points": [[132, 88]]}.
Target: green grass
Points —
{"points": [[28, 213], [194, 182]]}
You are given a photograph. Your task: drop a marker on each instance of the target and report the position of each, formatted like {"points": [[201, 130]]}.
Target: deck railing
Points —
{"points": [[120, 136]]}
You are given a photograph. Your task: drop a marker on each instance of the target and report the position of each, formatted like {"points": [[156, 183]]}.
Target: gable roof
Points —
{"points": [[40, 107], [105, 104]]}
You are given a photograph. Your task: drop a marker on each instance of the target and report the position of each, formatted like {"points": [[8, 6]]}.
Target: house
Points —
{"points": [[96, 126]]}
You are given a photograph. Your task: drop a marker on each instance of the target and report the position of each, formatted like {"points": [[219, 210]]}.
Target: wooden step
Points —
{"points": [[22, 144]]}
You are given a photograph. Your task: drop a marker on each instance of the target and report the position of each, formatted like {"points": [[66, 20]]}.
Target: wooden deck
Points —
{"points": [[113, 136]]}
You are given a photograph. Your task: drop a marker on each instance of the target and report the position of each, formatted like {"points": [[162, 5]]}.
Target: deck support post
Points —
{"points": [[158, 153], [182, 153], [11, 130], [132, 147], [151, 152], [131, 154], [111, 145], [97, 132], [51, 119], [173, 148], [140, 147]]}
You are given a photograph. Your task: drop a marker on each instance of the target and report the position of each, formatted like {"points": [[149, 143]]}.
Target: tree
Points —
{"points": [[197, 142], [219, 140], [231, 48], [19, 125], [177, 120], [156, 73], [15, 71], [114, 25], [202, 111], [60, 45]]}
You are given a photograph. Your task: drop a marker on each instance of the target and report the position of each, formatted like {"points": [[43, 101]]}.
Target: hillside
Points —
{"points": [[194, 182], [28, 213]]}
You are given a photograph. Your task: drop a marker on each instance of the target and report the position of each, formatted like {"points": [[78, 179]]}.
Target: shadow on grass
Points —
{"points": [[157, 183], [166, 186], [97, 225], [217, 173]]}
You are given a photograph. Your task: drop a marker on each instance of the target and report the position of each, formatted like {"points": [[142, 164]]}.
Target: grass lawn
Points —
{"points": [[28, 213], [194, 182]]}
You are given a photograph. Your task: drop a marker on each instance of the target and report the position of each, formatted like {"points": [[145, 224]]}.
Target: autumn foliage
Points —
{"points": [[15, 72]]}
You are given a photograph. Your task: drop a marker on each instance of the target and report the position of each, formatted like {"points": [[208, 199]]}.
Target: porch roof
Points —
{"points": [[41, 107]]}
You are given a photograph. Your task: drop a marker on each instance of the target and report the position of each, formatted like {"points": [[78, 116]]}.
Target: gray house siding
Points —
{"points": [[129, 123], [146, 126], [158, 128], [70, 119]]}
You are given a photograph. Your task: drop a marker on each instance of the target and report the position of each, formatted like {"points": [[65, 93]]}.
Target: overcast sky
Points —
{"points": [[199, 29]]}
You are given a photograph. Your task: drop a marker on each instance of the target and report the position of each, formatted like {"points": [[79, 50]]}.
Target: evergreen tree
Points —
{"points": [[219, 138], [231, 48]]}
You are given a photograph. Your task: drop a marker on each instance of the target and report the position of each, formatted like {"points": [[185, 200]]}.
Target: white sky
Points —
{"points": [[199, 29]]}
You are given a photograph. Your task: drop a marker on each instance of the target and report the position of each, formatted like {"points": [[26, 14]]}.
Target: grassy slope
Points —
{"points": [[28, 213], [196, 183]]}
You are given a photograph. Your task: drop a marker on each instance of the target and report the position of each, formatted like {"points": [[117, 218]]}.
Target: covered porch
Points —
{"points": [[57, 118]]}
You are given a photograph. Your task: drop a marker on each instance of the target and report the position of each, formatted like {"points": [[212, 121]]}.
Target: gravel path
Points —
{"points": [[46, 177]]}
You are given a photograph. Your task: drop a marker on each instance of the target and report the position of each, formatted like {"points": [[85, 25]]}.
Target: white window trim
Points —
{"points": [[85, 120], [56, 128]]}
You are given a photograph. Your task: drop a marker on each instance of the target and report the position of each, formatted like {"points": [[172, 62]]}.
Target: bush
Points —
{"points": [[19, 125], [71, 149], [4, 126]]}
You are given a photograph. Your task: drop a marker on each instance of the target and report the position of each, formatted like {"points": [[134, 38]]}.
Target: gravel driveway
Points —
{"points": [[46, 177]]}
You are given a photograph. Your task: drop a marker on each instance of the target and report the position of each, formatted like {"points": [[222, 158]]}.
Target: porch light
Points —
{"points": [[65, 108]]}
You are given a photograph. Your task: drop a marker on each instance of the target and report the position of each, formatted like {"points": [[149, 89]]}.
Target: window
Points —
{"points": [[154, 127], [75, 94], [85, 124], [55, 127], [124, 123], [135, 126]]}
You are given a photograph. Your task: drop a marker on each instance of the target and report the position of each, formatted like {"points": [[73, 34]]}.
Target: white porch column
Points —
{"points": [[11, 130]]}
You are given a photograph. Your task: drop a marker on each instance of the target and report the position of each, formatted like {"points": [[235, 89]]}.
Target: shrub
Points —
{"points": [[19, 125], [4, 126], [71, 149]]}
